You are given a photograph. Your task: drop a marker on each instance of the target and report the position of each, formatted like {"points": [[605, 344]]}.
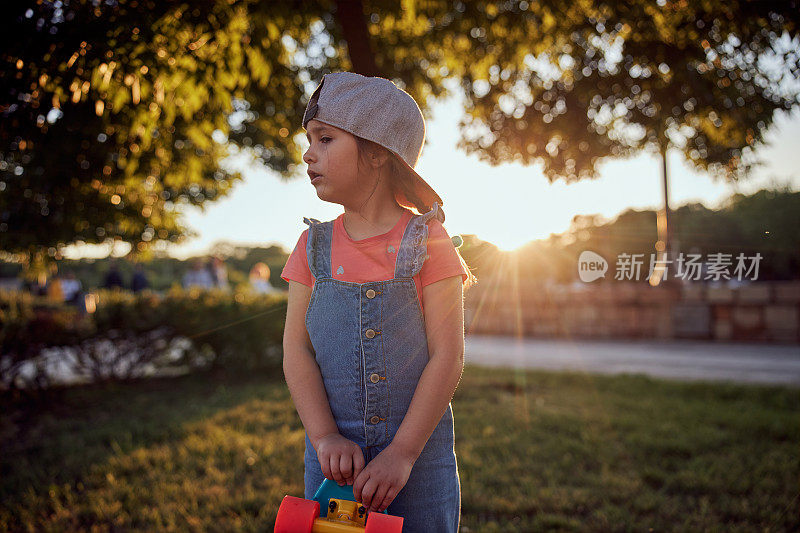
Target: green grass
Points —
{"points": [[537, 451]]}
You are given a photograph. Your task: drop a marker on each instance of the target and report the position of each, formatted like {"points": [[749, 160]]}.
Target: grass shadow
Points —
{"points": [[536, 450]]}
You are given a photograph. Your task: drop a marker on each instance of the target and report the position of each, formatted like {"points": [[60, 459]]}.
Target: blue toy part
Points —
{"points": [[330, 489]]}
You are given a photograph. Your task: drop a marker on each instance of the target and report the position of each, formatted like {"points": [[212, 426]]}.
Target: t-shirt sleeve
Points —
{"points": [[296, 267], [444, 260]]}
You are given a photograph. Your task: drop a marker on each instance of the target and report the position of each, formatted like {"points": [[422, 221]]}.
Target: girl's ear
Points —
{"points": [[378, 156]]}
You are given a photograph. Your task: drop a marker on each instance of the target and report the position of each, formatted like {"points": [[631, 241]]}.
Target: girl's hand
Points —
{"points": [[378, 484], [340, 458]]}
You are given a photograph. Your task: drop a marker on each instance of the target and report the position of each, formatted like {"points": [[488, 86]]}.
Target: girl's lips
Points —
{"points": [[315, 178]]}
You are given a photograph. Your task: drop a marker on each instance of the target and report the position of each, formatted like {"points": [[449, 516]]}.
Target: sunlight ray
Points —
{"points": [[494, 281], [521, 389]]}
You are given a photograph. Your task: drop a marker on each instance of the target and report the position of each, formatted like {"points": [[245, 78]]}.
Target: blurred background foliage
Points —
{"points": [[765, 222], [115, 116]]}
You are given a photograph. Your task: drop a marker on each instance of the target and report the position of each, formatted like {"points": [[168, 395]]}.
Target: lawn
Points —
{"points": [[537, 451]]}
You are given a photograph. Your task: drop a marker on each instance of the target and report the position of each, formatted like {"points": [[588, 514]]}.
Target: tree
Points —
{"points": [[568, 84], [116, 116], [148, 97]]}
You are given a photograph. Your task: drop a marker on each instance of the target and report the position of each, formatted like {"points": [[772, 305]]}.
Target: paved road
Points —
{"points": [[684, 360]]}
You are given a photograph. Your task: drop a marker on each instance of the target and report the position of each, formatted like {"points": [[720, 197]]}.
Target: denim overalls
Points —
{"points": [[371, 347]]}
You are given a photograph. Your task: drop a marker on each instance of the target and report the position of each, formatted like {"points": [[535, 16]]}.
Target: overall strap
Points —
{"points": [[414, 246], [318, 247]]}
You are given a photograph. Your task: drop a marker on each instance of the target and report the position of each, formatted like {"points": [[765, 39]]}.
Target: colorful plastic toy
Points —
{"points": [[340, 512]]}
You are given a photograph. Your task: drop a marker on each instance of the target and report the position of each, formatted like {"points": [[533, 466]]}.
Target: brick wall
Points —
{"points": [[758, 312]]}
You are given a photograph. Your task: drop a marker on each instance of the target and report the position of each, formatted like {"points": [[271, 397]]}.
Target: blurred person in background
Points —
{"points": [[113, 278], [38, 285], [259, 279], [74, 293], [198, 276], [54, 289], [220, 272], [71, 287], [139, 281]]}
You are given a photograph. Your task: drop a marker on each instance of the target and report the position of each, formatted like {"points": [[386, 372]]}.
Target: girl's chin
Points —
{"points": [[322, 192], [330, 198], [327, 193]]}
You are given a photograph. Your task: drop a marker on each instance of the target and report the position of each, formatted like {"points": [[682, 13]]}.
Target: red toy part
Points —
{"points": [[383, 523], [296, 515]]}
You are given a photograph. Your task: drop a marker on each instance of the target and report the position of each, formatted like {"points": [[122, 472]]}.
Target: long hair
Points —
{"points": [[400, 180]]}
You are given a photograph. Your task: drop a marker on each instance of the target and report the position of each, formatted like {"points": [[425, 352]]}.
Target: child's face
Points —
{"points": [[333, 154]]}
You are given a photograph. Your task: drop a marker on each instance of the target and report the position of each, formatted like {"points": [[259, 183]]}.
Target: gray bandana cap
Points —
{"points": [[375, 109]]}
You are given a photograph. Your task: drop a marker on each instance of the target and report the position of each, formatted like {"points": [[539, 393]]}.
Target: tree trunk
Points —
{"points": [[664, 246], [350, 14], [665, 229]]}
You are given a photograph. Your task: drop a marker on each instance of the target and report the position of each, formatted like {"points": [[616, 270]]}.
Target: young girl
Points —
{"points": [[370, 369]]}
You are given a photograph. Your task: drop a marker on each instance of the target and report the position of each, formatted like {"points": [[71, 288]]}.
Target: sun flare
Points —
{"points": [[507, 242]]}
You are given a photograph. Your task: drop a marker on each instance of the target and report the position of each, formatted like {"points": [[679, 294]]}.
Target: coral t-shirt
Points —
{"points": [[373, 258]]}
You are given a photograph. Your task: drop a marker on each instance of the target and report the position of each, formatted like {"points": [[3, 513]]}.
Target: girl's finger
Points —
{"points": [[378, 497], [367, 492], [324, 464], [346, 467], [388, 499], [358, 484], [337, 476]]}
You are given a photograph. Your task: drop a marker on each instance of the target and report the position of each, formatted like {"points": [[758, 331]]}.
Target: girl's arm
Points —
{"points": [[444, 325], [301, 370]]}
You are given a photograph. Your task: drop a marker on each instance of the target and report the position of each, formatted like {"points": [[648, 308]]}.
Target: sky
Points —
{"points": [[508, 205]]}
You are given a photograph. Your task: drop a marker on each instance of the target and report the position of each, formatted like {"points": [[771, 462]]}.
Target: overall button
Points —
{"points": [[370, 333], [374, 378], [375, 419], [370, 293]]}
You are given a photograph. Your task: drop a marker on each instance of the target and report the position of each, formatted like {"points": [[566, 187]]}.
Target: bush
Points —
{"points": [[132, 335]]}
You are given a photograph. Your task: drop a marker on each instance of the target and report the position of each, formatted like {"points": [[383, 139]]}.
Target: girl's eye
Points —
{"points": [[322, 139]]}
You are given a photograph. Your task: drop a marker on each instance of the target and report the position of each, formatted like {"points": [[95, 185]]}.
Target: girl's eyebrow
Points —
{"points": [[318, 129]]}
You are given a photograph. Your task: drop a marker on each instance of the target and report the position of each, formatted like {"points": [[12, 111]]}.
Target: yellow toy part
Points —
{"points": [[297, 515]]}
